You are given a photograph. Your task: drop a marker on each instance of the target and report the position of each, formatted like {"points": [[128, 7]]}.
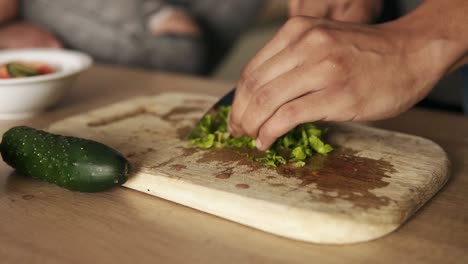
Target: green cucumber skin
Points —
{"points": [[73, 163]]}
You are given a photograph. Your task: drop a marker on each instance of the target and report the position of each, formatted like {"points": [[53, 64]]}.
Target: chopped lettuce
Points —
{"points": [[298, 153], [294, 147]]}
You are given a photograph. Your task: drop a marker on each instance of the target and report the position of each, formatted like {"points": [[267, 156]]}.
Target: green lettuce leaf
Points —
{"points": [[295, 146]]}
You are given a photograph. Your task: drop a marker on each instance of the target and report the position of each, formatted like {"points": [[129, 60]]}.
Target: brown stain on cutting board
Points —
{"points": [[197, 101], [185, 153], [242, 186], [179, 111], [277, 184], [342, 174], [165, 163], [141, 153], [224, 174], [104, 121], [178, 167], [183, 132], [230, 157], [188, 151], [168, 117], [27, 197], [171, 117]]}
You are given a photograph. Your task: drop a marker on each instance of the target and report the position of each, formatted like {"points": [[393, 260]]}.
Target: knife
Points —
{"points": [[226, 100]]}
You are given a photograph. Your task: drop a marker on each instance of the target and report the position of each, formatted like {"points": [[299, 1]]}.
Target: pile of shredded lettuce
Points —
{"points": [[298, 144]]}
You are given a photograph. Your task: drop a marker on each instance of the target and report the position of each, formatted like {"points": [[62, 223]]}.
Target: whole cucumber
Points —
{"points": [[71, 162]]}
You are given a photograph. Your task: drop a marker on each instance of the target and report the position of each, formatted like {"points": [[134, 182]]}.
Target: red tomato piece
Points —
{"points": [[45, 69], [4, 72]]}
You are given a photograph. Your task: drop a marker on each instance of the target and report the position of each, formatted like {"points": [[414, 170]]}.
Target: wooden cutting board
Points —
{"points": [[367, 187]]}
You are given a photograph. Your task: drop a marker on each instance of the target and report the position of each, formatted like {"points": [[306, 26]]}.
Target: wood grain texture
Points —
{"points": [[371, 184]]}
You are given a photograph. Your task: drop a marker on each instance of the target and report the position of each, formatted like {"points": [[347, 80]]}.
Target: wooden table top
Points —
{"points": [[42, 223]]}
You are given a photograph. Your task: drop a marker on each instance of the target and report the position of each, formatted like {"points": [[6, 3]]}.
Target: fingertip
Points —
{"points": [[263, 144], [259, 144], [268, 134], [229, 124], [232, 130], [232, 127], [235, 131]]}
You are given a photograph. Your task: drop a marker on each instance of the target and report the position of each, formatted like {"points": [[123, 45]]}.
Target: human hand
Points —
{"points": [[358, 11], [25, 35], [316, 69]]}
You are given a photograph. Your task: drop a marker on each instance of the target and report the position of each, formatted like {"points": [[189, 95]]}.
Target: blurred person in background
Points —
{"points": [[174, 35]]}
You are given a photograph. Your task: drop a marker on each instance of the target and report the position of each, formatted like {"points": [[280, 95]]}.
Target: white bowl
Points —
{"points": [[27, 96]]}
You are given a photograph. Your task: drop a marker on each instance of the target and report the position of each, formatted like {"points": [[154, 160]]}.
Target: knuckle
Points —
{"points": [[335, 63], [248, 82], [243, 78], [262, 97], [251, 82], [320, 35], [246, 70], [289, 112]]}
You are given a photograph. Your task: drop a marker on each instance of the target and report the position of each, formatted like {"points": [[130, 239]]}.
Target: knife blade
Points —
{"points": [[226, 100]]}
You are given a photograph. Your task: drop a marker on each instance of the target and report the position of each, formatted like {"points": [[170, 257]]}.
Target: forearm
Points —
{"points": [[357, 11], [443, 25], [8, 10]]}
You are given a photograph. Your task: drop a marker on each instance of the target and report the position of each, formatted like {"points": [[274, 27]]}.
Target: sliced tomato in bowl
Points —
{"points": [[4, 72], [23, 69], [45, 69]]}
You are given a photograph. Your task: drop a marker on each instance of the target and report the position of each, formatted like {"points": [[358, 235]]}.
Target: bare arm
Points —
{"points": [[8, 10], [359, 11], [445, 24]]}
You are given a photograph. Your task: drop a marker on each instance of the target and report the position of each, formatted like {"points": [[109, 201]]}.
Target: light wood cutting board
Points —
{"points": [[367, 187]]}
